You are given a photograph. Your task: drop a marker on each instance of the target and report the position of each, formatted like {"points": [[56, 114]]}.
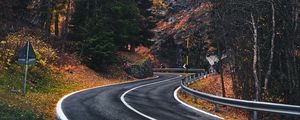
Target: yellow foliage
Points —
{"points": [[11, 45], [297, 53], [159, 3]]}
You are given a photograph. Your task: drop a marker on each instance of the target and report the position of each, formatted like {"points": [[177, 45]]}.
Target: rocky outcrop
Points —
{"points": [[141, 69], [183, 19]]}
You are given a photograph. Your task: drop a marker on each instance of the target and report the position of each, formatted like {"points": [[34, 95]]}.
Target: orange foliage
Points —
{"points": [[86, 77], [130, 57], [142, 50], [66, 60], [297, 53], [163, 25], [211, 85], [184, 19], [212, 49]]}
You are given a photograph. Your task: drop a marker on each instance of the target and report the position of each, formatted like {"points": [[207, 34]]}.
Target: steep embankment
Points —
{"points": [[54, 75], [58, 70], [181, 20]]}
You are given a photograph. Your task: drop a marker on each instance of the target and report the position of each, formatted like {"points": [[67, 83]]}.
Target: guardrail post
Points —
{"points": [[255, 113], [196, 99], [192, 78], [185, 93], [217, 105]]}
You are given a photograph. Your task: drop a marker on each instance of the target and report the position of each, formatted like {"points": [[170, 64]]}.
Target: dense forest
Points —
{"points": [[261, 39], [71, 38], [94, 29]]}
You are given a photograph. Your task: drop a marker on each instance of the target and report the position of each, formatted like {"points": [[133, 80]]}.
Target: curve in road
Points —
{"points": [[152, 98]]}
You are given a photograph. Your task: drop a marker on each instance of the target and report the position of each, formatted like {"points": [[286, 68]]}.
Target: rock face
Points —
{"points": [[141, 69]]}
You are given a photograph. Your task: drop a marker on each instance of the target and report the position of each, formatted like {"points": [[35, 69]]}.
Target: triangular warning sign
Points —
{"points": [[27, 50]]}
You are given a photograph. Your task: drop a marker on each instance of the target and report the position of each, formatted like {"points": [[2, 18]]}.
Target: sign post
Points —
{"points": [[26, 56], [187, 62]]}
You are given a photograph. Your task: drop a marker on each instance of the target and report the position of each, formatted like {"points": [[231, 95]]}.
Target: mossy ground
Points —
{"points": [[8, 112]]}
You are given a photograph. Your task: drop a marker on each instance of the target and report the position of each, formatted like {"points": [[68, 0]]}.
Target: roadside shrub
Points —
{"points": [[39, 79], [10, 46], [39, 75], [8, 112]]}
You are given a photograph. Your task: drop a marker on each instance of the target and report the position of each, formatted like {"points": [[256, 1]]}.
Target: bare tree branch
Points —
{"points": [[255, 47], [272, 48]]}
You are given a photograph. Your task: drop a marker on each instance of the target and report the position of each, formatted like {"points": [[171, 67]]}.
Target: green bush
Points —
{"points": [[142, 61], [13, 113], [40, 77], [100, 50]]}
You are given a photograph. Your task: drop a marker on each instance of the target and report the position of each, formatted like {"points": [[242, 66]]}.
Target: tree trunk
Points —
{"points": [[56, 23], [47, 24], [294, 39], [65, 25], [259, 63], [221, 63], [272, 48], [288, 75], [257, 82], [232, 74], [221, 69], [132, 47]]}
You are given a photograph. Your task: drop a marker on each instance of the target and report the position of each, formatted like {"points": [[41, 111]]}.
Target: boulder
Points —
{"points": [[141, 69]]}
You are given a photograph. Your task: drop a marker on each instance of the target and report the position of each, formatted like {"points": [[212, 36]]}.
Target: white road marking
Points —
{"points": [[59, 112], [192, 107], [133, 109]]}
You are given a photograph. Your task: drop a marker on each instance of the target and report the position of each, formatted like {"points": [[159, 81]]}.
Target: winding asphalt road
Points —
{"points": [[146, 99]]}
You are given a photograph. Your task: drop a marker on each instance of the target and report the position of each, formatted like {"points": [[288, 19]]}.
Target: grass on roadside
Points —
{"points": [[8, 112], [54, 75], [43, 101]]}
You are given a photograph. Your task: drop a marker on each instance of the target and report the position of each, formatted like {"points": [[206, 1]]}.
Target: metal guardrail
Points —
{"points": [[245, 104], [177, 70]]}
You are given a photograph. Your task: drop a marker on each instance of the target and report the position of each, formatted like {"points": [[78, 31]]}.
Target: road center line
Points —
{"points": [[59, 111], [133, 109]]}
